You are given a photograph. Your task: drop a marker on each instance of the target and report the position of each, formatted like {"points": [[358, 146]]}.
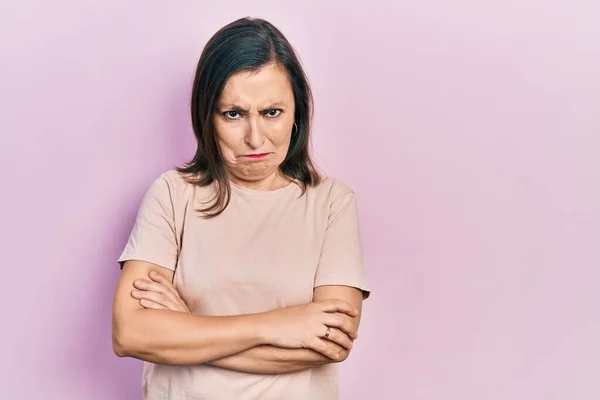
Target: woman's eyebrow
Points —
{"points": [[229, 106], [276, 104], [233, 106]]}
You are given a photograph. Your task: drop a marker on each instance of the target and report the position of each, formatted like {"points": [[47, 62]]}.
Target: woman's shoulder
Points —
{"points": [[174, 178], [178, 180], [170, 180], [178, 186], [332, 188]]}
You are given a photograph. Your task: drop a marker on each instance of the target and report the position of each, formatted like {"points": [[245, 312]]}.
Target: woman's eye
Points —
{"points": [[231, 114], [273, 113]]}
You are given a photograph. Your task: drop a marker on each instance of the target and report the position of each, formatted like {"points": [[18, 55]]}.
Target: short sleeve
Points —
{"points": [[153, 238], [341, 261]]}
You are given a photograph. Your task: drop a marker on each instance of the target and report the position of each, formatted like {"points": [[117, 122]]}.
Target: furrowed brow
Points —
{"points": [[272, 106]]}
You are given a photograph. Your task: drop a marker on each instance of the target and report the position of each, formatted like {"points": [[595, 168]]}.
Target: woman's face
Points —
{"points": [[254, 119]]}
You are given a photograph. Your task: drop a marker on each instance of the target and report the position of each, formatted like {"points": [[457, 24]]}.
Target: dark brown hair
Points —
{"points": [[246, 44]]}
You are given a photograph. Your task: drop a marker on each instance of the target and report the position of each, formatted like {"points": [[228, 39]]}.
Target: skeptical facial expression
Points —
{"points": [[254, 119]]}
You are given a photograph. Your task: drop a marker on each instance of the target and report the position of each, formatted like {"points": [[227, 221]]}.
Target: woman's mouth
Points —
{"points": [[259, 155]]}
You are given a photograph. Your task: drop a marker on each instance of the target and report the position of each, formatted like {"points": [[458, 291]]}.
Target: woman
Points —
{"points": [[243, 274]]}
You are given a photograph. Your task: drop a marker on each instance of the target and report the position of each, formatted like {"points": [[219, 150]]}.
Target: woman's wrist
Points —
{"points": [[261, 328]]}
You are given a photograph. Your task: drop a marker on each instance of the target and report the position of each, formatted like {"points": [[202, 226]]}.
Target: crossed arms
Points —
{"points": [[280, 341]]}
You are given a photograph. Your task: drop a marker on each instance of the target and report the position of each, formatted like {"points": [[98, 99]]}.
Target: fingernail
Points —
{"points": [[337, 356], [153, 274], [356, 311], [135, 292]]}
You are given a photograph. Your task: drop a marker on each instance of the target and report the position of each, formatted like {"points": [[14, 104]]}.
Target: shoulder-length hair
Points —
{"points": [[246, 44]]}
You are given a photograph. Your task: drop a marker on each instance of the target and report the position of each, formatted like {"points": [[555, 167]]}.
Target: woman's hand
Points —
{"points": [[311, 326], [158, 293]]}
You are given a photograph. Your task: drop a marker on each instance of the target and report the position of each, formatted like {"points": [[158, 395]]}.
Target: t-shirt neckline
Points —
{"points": [[263, 193]]}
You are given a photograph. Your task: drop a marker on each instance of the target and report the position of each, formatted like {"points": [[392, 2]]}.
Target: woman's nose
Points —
{"points": [[254, 137]]}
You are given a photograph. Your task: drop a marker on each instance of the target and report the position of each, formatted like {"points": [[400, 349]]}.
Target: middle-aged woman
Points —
{"points": [[243, 275]]}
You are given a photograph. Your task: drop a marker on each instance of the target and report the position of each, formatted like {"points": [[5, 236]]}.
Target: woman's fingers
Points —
{"points": [[322, 347], [154, 297], [144, 284], [151, 305], [341, 322], [163, 300], [332, 306], [339, 337], [161, 286], [150, 286], [162, 280]]}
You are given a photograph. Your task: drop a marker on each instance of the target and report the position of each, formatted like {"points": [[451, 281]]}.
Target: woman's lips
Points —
{"points": [[260, 155]]}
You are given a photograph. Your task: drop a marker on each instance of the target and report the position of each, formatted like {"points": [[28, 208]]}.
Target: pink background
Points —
{"points": [[470, 131]]}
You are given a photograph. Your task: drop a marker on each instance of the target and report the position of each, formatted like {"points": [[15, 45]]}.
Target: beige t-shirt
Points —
{"points": [[268, 249]]}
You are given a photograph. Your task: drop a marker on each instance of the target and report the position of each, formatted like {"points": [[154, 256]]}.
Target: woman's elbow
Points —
{"points": [[129, 340], [120, 343], [124, 339]]}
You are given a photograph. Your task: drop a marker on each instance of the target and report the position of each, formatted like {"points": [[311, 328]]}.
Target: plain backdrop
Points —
{"points": [[470, 131]]}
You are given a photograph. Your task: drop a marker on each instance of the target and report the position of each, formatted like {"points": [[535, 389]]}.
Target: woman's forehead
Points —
{"points": [[268, 85]]}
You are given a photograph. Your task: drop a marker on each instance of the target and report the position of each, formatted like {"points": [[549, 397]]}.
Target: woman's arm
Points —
{"points": [[267, 359], [178, 338], [174, 338], [274, 360]]}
